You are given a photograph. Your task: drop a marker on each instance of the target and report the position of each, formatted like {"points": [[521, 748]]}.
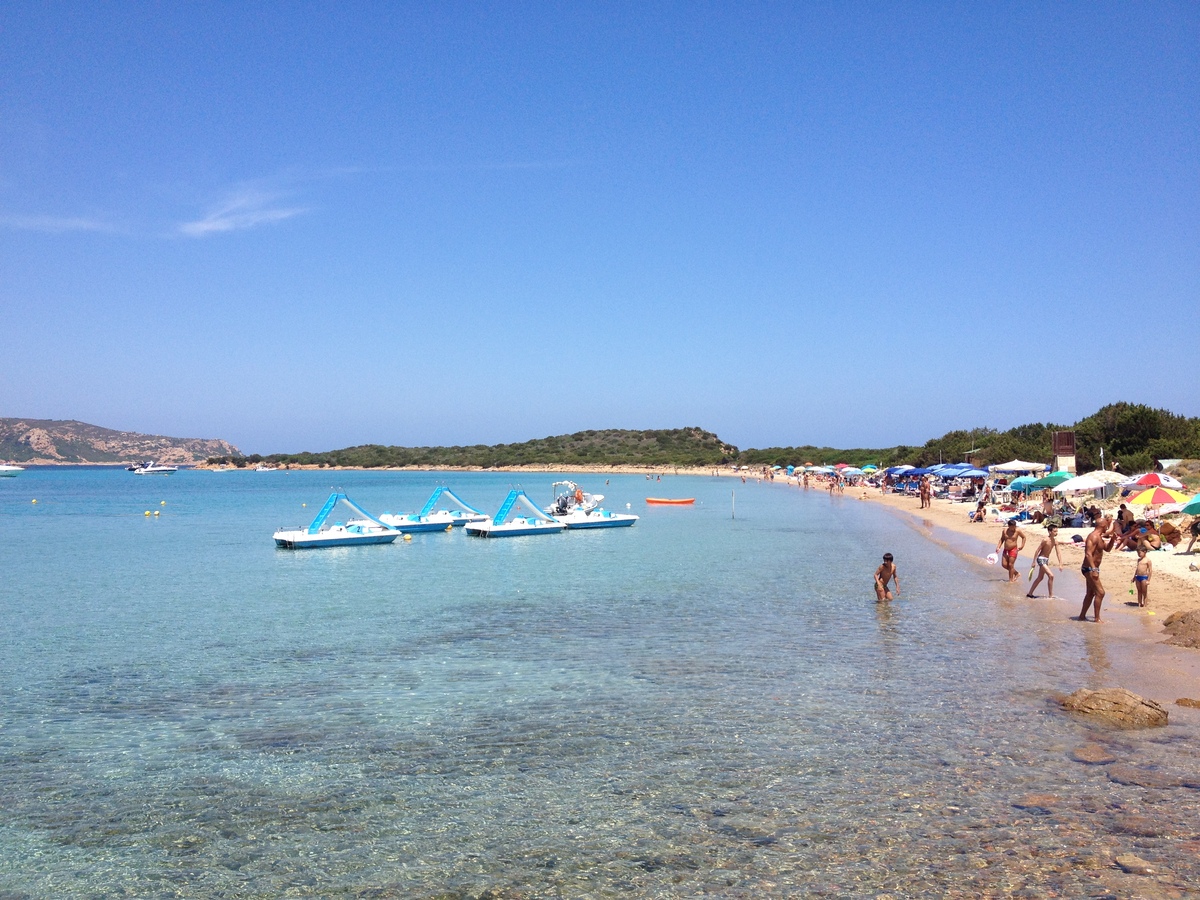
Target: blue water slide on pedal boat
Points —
{"points": [[365, 529], [530, 521]]}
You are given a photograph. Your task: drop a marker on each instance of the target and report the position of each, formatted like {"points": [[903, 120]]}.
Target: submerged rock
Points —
{"points": [[1184, 628], [1118, 706], [1092, 754], [1135, 865], [1188, 701]]}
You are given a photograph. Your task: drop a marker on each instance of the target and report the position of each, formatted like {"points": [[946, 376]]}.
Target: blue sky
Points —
{"points": [[307, 226]]}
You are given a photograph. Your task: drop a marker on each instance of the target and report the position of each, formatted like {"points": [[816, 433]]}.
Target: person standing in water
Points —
{"points": [[883, 575], [1094, 549], [1042, 561], [1012, 542]]}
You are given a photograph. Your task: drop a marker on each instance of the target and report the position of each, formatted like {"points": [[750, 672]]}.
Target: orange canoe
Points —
{"points": [[664, 500]]}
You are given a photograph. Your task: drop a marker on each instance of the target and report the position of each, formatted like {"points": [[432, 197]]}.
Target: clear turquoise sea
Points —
{"points": [[699, 705]]}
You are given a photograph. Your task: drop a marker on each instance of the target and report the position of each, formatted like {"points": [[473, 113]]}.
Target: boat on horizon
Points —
{"points": [[10, 471], [152, 468], [366, 529], [533, 522]]}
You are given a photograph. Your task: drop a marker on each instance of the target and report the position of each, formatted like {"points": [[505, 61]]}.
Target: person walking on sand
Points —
{"points": [[1141, 576], [884, 574], [1194, 528], [1042, 561], [1012, 542], [1093, 554]]}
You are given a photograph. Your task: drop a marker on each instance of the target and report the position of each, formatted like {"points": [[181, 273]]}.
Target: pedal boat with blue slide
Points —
{"points": [[365, 529], [533, 522], [430, 519]]}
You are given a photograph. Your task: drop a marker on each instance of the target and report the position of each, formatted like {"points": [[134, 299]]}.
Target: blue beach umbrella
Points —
{"points": [[1192, 507], [1022, 484]]}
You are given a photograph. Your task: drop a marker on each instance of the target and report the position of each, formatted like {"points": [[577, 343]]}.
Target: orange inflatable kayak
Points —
{"points": [[665, 500]]}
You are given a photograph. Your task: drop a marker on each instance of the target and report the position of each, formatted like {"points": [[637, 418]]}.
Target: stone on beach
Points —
{"points": [[1184, 628], [1093, 754], [1117, 706]]}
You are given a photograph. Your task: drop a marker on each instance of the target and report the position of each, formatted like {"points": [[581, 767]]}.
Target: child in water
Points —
{"points": [[1141, 577], [884, 574]]}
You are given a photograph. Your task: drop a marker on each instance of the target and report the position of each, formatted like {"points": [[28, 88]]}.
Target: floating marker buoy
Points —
{"points": [[304, 504], [33, 501], [156, 512], [408, 537], [162, 502], [627, 506], [147, 512], [449, 527]]}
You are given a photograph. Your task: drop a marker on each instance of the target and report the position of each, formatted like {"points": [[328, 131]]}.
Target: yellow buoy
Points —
{"points": [[33, 501], [147, 512], [162, 502], [408, 537], [156, 512], [304, 504], [449, 527]]}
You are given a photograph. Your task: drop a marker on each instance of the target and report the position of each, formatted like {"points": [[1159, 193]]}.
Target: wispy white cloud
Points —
{"points": [[247, 207], [54, 224]]}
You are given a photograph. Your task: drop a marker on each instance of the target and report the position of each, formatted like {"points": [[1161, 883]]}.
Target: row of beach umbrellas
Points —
{"points": [[1159, 489]]}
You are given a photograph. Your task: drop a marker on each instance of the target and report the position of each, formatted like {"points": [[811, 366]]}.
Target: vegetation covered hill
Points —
{"points": [[610, 447], [1132, 435], [51, 441]]}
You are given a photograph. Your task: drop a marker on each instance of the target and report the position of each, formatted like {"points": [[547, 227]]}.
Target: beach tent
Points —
{"points": [[1078, 483], [1018, 465]]}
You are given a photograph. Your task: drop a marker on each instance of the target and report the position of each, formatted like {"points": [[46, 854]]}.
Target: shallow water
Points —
{"points": [[699, 704]]}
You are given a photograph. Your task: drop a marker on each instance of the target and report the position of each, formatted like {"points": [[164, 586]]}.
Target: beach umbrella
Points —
{"points": [[1078, 483], [852, 470], [973, 473], [1158, 479], [1107, 476], [1156, 496], [1193, 507], [1019, 465], [1022, 483], [1054, 479]]}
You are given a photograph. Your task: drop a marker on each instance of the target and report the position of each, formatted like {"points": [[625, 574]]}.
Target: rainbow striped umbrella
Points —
{"points": [[1159, 495]]}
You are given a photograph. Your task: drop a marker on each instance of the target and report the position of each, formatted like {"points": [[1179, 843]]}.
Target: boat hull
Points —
{"points": [[413, 524], [513, 529], [302, 540], [597, 519]]}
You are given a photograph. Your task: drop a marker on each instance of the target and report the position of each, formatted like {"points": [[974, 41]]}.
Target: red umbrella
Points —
{"points": [[1158, 479]]}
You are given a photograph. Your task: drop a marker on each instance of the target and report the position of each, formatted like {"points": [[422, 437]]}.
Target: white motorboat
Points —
{"points": [[533, 522], [263, 467], [596, 518], [151, 468], [365, 529], [568, 497], [7, 471], [576, 508]]}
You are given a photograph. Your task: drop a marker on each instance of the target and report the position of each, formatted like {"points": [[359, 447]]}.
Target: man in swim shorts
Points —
{"points": [[1042, 560], [1012, 542], [1093, 553], [885, 573]]}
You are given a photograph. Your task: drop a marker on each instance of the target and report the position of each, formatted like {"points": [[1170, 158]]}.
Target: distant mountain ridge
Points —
{"points": [[54, 441]]}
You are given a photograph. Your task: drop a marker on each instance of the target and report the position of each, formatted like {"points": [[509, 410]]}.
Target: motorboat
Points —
{"points": [[668, 501], [7, 471], [569, 497], [151, 468], [365, 529], [263, 467], [528, 523], [576, 508], [596, 518]]}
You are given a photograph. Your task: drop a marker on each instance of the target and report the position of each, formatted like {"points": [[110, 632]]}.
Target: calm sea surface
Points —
{"points": [[696, 705]]}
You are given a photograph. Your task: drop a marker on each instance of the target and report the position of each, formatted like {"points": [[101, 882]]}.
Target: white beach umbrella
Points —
{"points": [[1018, 465], [1106, 476], [1079, 483]]}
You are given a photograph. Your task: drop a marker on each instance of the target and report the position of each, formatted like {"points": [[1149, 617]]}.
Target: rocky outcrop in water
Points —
{"points": [[1117, 706], [1184, 628]]}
